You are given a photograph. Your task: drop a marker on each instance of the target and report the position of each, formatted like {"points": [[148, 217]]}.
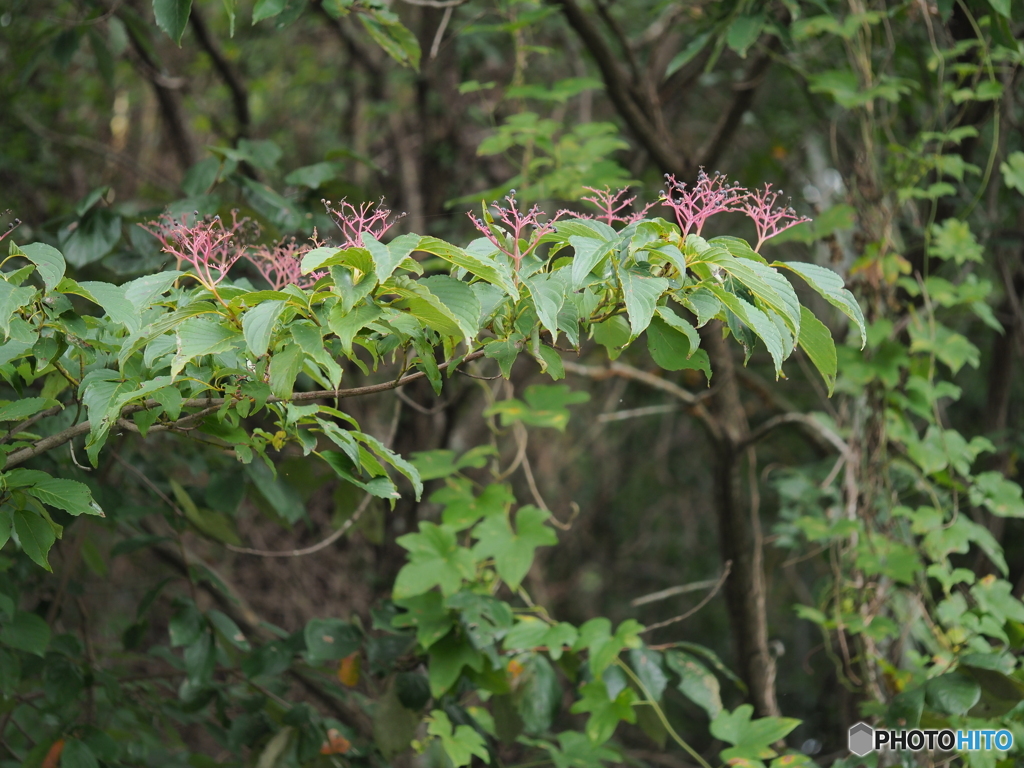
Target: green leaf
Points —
{"points": [[22, 409], [26, 632], [696, 682], [447, 660], [462, 508], [113, 300], [267, 9], [428, 614], [49, 262], [77, 754], [604, 647], [640, 293], [313, 176], [460, 743], [391, 35], [435, 559], [258, 325], [11, 300], [284, 368], [36, 536], [545, 406], [73, 497], [458, 299], [1000, 496], [829, 285], [144, 290], [228, 629], [589, 251], [548, 294], [743, 33], [952, 240], [953, 693], [172, 17], [605, 713], [538, 696], [816, 341], [386, 258], [757, 321], [751, 739], [200, 336], [1013, 168], [1001, 7], [613, 334], [648, 667], [489, 269], [513, 551], [672, 350], [330, 639]]}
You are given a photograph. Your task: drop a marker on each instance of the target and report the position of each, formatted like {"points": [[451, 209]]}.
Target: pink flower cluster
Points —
{"points": [[613, 208], [212, 247], [523, 230], [714, 194]]}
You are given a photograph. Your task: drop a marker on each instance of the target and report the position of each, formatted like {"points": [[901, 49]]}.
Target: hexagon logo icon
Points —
{"points": [[861, 739]]}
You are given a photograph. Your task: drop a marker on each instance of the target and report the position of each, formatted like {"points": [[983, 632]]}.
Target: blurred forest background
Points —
{"points": [[895, 126]]}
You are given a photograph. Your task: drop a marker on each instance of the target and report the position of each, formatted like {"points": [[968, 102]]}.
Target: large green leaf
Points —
{"points": [[830, 286], [490, 269], [640, 292], [36, 536], [48, 260], [816, 341], [73, 497], [258, 325], [435, 559], [757, 321]]}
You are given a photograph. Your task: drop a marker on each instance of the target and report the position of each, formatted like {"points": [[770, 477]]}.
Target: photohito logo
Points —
{"points": [[864, 739]]}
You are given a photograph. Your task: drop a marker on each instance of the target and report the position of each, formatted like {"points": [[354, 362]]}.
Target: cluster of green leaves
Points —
{"points": [[241, 367]]}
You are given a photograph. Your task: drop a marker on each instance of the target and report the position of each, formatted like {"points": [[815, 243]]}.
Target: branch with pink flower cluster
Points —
{"points": [[613, 208], [523, 230], [209, 245], [371, 218], [711, 195]]}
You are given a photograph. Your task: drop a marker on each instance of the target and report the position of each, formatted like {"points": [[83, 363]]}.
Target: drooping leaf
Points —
{"points": [[172, 17]]}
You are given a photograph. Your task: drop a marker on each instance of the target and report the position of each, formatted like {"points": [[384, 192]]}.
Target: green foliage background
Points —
{"points": [[348, 518]]}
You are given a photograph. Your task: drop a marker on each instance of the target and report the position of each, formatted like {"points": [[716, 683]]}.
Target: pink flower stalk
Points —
{"points": [[611, 206], [281, 265], [710, 195], [209, 245], [353, 222], [769, 219], [520, 228]]}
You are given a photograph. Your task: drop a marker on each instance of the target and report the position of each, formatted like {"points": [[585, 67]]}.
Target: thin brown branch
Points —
{"points": [[807, 422], [707, 599], [212, 404]]}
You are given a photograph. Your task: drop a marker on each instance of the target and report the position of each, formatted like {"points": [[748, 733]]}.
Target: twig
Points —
{"points": [[48, 443], [439, 35], [698, 606], [809, 422], [664, 594], [634, 413]]}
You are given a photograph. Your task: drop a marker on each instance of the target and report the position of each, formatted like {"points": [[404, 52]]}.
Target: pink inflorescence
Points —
{"points": [[372, 218], [209, 245], [613, 208], [769, 218], [281, 264], [694, 206], [521, 227]]}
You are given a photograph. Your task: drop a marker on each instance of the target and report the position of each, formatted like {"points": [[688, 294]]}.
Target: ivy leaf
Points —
{"points": [[648, 667], [605, 713], [640, 292], [447, 660], [596, 637], [428, 614], [545, 406], [172, 17], [460, 743], [462, 508], [1013, 168], [751, 739], [513, 551], [435, 559]]}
